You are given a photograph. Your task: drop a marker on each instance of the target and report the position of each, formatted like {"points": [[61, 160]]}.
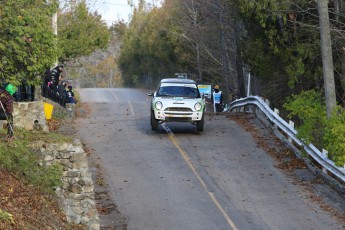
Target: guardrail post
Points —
{"points": [[257, 110], [324, 154], [276, 111], [292, 124]]}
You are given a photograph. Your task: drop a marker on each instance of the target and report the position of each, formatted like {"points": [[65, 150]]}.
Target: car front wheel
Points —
{"points": [[154, 122], [200, 124]]}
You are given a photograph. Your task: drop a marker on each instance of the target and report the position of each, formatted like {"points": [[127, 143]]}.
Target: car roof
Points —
{"points": [[178, 80]]}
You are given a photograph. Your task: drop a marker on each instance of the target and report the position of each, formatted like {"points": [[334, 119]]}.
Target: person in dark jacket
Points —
{"points": [[55, 77], [62, 93], [6, 107], [70, 95], [62, 88]]}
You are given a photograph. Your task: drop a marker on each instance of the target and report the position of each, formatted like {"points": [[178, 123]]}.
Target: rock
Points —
{"points": [[75, 188]]}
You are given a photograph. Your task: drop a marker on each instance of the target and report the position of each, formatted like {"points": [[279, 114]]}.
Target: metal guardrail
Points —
{"points": [[317, 155]]}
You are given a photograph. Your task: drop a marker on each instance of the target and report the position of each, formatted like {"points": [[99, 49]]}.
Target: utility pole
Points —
{"points": [[327, 59]]}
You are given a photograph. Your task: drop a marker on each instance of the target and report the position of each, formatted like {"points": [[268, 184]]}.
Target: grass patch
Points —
{"points": [[6, 216], [19, 160]]}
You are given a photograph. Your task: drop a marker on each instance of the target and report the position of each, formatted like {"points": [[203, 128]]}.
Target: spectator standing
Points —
{"points": [[60, 82], [62, 88], [217, 98], [55, 77], [62, 93], [6, 107], [70, 95]]}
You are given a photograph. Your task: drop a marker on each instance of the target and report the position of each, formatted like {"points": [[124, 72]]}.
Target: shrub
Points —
{"points": [[309, 108], [325, 133], [16, 157], [334, 138]]}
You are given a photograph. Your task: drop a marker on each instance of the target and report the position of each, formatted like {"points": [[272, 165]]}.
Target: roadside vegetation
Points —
{"points": [[18, 159], [27, 188], [308, 109]]}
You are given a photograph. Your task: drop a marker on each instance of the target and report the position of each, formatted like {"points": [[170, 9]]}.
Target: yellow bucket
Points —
{"points": [[48, 110]]}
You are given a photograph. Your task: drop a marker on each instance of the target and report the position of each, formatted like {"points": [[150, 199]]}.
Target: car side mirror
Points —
{"points": [[150, 94]]}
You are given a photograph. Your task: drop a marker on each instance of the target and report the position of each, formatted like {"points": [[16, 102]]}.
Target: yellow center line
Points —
{"points": [[210, 194]]}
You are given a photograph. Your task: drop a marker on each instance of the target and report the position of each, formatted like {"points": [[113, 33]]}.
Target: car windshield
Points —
{"points": [[178, 91]]}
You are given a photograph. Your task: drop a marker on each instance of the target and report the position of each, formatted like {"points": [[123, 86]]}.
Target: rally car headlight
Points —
{"points": [[159, 105], [197, 106]]}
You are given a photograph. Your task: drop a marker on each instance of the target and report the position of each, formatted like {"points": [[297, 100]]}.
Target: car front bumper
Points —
{"points": [[177, 116]]}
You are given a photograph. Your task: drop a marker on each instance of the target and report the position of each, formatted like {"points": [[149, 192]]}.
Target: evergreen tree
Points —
{"points": [[27, 44]]}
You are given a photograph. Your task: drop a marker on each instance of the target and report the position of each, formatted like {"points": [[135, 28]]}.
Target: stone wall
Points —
{"points": [[30, 115], [76, 194]]}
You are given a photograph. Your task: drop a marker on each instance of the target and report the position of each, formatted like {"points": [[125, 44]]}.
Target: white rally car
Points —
{"points": [[177, 100]]}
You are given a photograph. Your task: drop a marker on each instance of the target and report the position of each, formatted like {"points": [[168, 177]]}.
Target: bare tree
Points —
{"points": [[208, 27]]}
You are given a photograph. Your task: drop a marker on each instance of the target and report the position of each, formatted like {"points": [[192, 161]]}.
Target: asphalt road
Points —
{"points": [[185, 180]]}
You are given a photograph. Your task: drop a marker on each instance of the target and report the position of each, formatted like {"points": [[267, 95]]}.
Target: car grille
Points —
{"points": [[178, 119], [178, 109]]}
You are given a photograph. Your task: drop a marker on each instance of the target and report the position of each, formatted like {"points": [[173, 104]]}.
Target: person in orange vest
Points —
{"points": [[217, 99]]}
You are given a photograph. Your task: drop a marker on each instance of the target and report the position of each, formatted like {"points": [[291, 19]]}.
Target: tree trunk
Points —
{"points": [[198, 62], [224, 49], [327, 59]]}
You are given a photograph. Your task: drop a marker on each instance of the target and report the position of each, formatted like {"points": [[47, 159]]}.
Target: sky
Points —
{"points": [[111, 10]]}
